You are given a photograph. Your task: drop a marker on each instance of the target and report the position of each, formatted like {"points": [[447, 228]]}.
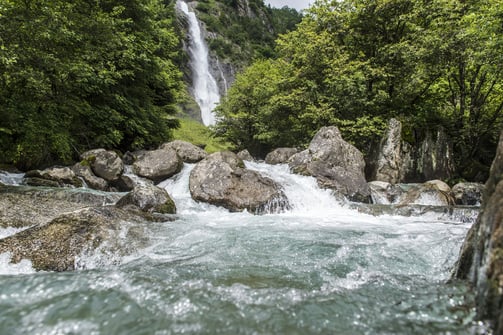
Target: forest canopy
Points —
{"points": [[83, 74], [357, 63]]}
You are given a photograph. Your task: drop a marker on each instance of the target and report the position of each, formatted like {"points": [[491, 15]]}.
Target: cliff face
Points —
{"points": [[481, 258]]}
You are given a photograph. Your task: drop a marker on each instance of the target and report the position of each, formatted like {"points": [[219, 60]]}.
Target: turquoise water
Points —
{"points": [[326, 271]]}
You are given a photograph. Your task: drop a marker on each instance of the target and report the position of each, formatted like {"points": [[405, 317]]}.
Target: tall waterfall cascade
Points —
{"points": [[204, 85]]}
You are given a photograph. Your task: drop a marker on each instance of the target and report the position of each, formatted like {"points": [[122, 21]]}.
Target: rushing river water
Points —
{"points": [[318, 269]]}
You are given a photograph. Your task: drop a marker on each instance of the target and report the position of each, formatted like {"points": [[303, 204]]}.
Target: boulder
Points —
{"points": [[468, 194], [436, 157], [397, 161], [53, 177], [84, 171], [431, 193], [394, 159], [481, 257], [57, 245], [130, 157], [384, 193], [335, 163], [158, 165], [188, 152], [149, 198], [23, 206], [280, 155], [246, 156], [104, 163], [221, 179]]}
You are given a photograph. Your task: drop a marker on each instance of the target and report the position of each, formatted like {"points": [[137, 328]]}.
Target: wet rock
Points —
{"points": [[432, 193], [23, 206], [394, 159], [188, 152], [440, 213], [384, 193], [125, 183], [221, 179], [149, 198], [280, 155], [105, 164], [246, 156], [130, 157], [481, 257], [468, 194], [335, 163], [53, 177], [158, 165], [436, 157], [56, 245], [84, 171]]}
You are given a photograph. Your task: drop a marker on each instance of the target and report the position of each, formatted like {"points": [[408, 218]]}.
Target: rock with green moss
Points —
{"points": [[23, 206], [84, 171], [149, 198], [105, 164], [481, 258], [58, 244]]}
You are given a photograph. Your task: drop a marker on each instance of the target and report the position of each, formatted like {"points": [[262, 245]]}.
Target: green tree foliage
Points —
{"points": [[82, 74], [356, 63], [245, 30]]}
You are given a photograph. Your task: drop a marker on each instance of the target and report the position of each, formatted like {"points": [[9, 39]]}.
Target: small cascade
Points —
{"points": [[178, 188], [304, 196], [205, 88], [8, 178]]}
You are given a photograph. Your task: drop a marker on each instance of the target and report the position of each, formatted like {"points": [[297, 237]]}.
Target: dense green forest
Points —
{"points": [[83, 74], [356, 63]]}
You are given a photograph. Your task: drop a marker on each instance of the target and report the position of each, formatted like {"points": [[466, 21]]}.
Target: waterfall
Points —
{"points": [[205, 88]]}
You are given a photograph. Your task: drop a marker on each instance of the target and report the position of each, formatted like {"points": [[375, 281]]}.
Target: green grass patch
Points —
{"points": [[198, 134]]}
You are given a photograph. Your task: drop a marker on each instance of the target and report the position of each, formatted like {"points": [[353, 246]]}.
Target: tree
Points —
{"points": [[356, 63], [83, 74]]}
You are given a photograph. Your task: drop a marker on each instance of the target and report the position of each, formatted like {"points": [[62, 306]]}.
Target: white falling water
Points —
{"points": [[205, 87]]}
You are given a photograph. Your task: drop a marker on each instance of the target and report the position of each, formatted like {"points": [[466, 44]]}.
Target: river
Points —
{"points": [[319, 268]]}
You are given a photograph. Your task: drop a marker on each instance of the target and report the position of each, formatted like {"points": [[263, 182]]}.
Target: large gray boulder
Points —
{"points": [[57, 245], [397, 161], [52, 177], [481, 257], [104, 163], [149, 198], [23, 206], [158, 165], [84, 171], [335, 163], [221, 179], [188, 152], [394, 159], [280, 155]]}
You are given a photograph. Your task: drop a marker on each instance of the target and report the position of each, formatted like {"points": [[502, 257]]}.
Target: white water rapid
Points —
{"points": [[319, 268], [205, 88]]}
